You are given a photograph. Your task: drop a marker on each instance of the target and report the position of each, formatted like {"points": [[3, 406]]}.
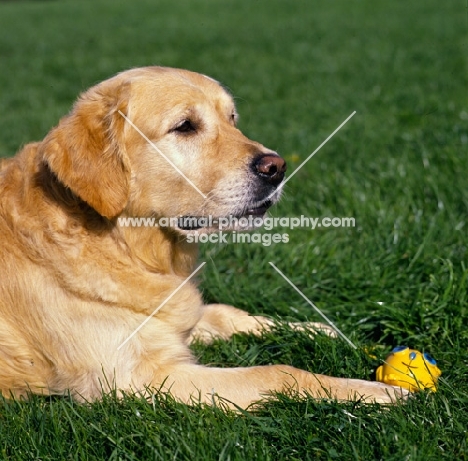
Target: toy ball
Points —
{"points": [[409, 369]]}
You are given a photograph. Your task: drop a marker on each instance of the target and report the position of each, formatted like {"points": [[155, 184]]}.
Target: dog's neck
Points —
{"points": [[160, 250]]}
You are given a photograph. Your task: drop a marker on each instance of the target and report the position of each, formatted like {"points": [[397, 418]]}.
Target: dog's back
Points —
{"points": [[4, 162]]}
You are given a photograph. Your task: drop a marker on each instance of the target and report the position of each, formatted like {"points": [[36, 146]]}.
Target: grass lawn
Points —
{"points": [[297, 68]]}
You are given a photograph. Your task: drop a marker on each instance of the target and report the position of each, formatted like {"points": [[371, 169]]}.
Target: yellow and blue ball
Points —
{"points": [[409, 369]]}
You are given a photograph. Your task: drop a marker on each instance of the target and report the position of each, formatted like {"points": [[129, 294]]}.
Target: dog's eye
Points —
{"points": [[185, 127]]}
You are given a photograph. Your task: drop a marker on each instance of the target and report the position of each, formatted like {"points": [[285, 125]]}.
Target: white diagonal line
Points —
{"points": [[316, 150], [314, 306], [308, 158], [156, 148], [162, 304]]}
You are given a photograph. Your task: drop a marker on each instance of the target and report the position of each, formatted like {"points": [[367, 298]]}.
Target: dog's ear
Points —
{"points": [[86, 150]]}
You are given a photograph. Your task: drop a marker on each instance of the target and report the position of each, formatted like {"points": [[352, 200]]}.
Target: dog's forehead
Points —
{"points": [[180, 85]]}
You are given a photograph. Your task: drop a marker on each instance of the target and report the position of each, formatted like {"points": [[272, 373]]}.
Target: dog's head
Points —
{"points": [[159, 142]]}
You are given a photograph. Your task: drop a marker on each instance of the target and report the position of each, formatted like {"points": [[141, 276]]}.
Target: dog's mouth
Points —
{"points": [[195, 223], [259, 209]]}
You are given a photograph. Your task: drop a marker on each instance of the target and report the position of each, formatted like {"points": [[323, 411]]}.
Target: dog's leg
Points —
{"points": [[222, 321], [244, 386]]}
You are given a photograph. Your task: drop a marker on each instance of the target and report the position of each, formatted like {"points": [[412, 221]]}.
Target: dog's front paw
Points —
{"points": [[376, 392], [313, 328]]}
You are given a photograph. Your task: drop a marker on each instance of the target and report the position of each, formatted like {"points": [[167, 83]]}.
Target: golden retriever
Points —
{"points": [[75, 286]]}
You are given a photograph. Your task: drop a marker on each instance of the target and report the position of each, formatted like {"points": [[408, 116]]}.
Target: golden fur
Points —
{"points": [[74, 284]]}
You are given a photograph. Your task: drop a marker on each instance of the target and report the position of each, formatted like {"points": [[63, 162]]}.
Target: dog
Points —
{"points": [[87, 305]]}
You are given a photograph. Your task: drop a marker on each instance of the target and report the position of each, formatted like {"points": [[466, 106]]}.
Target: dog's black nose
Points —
{"points": [[270, 167]]}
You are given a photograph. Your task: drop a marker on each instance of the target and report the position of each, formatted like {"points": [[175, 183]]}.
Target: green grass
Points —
{"points": [[399, 166]]}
